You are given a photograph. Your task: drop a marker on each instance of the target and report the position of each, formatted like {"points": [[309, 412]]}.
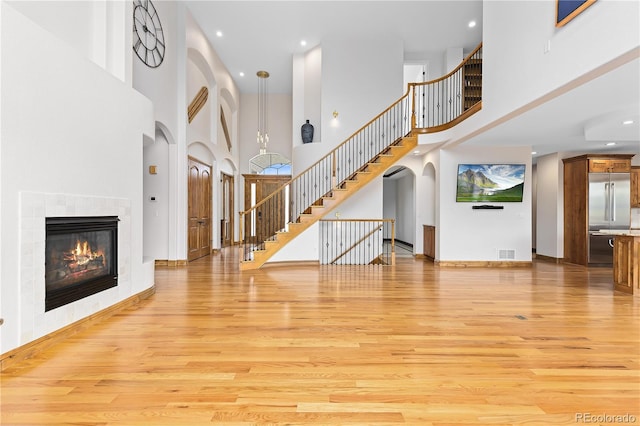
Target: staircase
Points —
{"points": [[367, 154], [332, 199]]}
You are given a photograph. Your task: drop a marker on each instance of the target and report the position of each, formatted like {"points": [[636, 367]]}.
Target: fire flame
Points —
{"points": [[83, 253]]}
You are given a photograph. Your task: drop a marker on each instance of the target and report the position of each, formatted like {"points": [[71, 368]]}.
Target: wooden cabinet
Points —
{"points": [[576, 199], [626, 263], [429, 241], [603, 165], [635, 186]]}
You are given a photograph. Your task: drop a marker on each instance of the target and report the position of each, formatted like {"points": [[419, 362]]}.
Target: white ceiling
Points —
{"points": [[264, 35]]}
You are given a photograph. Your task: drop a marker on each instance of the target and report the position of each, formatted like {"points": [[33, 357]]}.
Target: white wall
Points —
{"points": [[453, 58], [86, 143], [434, 61], [156, 212], [306, 93], [161, 84], [513, 49], [426, 198], [399, 204], [405, 200], [279, 126], [390, 189], [97, 29], [534, 207], [166, 88], [200, 128], [549, 206], [72, 22], [465, 234], [360, 79]]}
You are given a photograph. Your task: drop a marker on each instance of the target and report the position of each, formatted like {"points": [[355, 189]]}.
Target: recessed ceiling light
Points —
{"points": [[303, 43], [534, 152], [416, 152], [219, 33], [610, 143], [472, 24], [241, 74], [627, 122]]}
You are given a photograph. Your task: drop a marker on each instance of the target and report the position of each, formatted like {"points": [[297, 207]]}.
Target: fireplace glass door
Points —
{"points": [[80, 258]]}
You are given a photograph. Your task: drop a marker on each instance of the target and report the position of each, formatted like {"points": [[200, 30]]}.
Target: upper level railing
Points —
{"points": [[426, 107], [442, 103]]}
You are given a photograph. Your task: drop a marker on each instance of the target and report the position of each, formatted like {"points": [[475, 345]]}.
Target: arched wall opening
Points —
{"points": [[157, 198], [398, 203], [428, 210]]}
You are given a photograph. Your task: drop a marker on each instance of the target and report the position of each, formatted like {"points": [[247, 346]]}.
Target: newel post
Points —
{"points": [[393, 242], [241, 234]]}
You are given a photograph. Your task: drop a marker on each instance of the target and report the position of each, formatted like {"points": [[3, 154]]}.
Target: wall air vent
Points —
{"points": [[506, 254]]}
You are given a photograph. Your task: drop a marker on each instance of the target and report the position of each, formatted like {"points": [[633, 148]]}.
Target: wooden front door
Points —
{"points": [[199, 234], [270, 218], [226, 229]]}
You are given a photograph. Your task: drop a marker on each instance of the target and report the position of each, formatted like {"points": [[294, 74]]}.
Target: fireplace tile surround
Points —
{"points": [[34, 209]]}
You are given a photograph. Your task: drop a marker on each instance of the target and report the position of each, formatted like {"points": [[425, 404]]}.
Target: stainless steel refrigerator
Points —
{"points": [[609, 210]]}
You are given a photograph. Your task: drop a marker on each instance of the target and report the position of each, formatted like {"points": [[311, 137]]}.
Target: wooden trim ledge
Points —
{"points": [[32, 348], [483, 264]]}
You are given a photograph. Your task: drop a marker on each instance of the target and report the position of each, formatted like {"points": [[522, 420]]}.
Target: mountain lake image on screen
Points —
{"points": [[490, 183]]}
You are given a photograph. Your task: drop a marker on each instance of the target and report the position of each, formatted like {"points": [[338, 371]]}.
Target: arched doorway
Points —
{"points": [[428, 209], [156, 204], [200, 200], [399, 204]]}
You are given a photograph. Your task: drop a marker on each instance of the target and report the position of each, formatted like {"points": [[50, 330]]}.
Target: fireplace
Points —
{"points": [[81, 258]]}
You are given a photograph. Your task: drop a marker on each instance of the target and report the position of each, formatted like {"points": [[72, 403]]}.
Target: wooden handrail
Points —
{"points": [[331, 153], [450, 99]]}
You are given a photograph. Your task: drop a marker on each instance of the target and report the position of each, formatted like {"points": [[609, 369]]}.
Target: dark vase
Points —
{"points": [[307, 132]]}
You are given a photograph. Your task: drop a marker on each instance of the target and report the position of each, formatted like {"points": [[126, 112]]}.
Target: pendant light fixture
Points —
{"points": [[265, 162], [263, 134]]}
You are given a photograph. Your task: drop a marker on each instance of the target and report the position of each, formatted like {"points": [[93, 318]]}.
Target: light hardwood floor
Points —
{"points": [[414, 344]]}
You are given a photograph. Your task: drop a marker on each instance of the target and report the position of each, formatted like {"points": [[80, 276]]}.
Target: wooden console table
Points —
{"points": [[626, 263]]}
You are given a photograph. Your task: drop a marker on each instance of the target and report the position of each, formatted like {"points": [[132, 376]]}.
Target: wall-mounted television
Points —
{"points": [[502, 183]]}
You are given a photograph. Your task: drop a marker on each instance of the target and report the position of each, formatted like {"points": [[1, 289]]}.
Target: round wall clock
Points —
{"points": [[148, 38]]}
